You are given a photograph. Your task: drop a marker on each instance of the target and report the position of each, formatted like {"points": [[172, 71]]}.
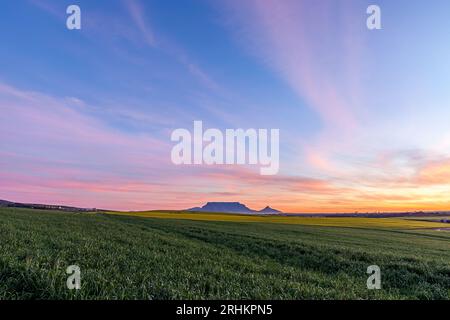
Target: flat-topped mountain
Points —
{"points": [[231, 207]]}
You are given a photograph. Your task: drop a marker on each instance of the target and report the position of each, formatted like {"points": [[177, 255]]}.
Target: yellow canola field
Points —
{"points": [[353, 222]]}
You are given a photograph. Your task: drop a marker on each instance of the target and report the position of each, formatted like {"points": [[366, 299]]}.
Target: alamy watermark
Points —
{"points": [[234, 146], [373, 22], [74, 280], [73, 21], [374, 280]]}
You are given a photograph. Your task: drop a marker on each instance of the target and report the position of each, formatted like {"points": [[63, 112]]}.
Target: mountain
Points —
{"points": [[231, 207], [9, 204], [269, 210]]}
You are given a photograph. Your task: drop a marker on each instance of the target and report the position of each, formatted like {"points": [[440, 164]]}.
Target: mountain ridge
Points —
{"points": [[232, 207]]}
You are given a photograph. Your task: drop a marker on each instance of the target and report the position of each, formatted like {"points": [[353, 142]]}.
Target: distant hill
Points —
{"points": [[9, 204], [4, 203], [231, 207], [269, 210]]}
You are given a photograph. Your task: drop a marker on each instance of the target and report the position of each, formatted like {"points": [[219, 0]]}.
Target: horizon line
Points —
{"points": [[281, 212]]}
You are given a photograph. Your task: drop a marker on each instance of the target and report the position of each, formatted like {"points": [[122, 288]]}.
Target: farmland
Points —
{"points": [[164, 255], [398, 223]]}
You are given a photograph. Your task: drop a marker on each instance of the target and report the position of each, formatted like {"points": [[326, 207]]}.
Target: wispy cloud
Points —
{"points": [[314, 49], [41, 133], [294, 38], [137, 13]]}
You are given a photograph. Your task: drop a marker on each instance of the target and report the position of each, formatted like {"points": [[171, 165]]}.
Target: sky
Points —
{"points": [[86, 115]]}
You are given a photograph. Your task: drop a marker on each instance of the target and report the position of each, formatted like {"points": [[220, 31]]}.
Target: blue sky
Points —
{"points": [[87, 114]]}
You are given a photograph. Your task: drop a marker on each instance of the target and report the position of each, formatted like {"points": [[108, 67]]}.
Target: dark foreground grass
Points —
{"points": [[141, 258]]}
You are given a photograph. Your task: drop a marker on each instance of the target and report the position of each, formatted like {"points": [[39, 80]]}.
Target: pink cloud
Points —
{"points": [[55, 145], [53, 151], [286, 37], [315, 48]]}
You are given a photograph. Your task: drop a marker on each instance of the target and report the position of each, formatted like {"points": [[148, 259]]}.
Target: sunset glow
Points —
{"points": [[363, 115]]}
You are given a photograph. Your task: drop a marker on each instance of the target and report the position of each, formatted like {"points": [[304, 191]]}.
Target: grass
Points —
{"points": [[132, 257]]}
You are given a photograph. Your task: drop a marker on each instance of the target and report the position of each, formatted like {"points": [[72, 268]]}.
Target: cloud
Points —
{"points": [[49, 8], [315, 48], [56, 146], [435, 173], [137, 13], [64, 150], [53, 151], [295, 38]]}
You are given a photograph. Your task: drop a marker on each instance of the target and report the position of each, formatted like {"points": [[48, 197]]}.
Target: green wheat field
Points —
{"points": [[148, 256]]}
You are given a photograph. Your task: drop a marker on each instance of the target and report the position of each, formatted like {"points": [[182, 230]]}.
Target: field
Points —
{"points": [[380, 223], [211, 256], [429, 218]]}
